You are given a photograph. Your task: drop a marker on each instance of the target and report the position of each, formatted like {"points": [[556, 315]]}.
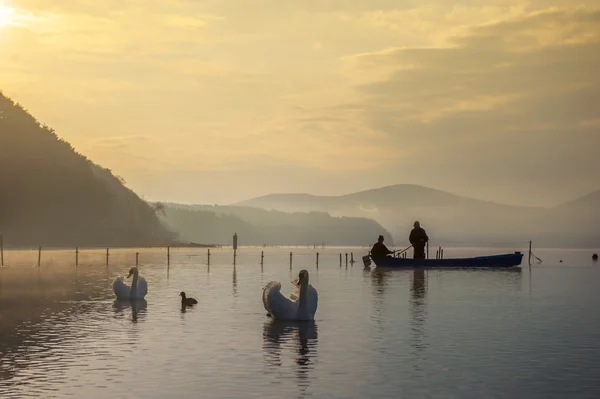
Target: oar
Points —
{"points": [[404, 250]]}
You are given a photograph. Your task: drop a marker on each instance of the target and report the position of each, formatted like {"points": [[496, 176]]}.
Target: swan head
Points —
{"points": [[133, 270], [182, 294], [303, 277]]}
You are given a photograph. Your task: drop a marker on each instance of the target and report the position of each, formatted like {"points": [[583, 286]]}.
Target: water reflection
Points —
{"points": [[39, 284], [234, 281], [380, 278], [418, 314], [138, 308], [383, 330], [379, 282], [303, 336]]}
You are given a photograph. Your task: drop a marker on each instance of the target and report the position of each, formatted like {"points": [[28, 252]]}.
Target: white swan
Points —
{"points": [[138, 289], [302, 305]]}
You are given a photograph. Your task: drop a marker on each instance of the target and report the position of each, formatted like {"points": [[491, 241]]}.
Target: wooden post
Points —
{"points": [[168, 256], [76, 256], [441, 253], [437, 254], [39, 256], [137, 259], [317, 260], [235, 245], [1, 251], [346, 259], [208, 258], [340, 260], [351, 258], [290, 261], [529, 253], [262, 258], [107, 255]]}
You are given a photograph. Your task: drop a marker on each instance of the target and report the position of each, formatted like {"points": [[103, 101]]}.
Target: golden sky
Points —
{"points": [[217, 101]]}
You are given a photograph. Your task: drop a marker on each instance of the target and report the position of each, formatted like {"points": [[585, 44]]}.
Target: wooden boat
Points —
{"points": [[502, 260]]}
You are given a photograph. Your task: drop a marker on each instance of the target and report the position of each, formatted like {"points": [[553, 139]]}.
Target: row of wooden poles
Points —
{"points": [[137, 257], [39, 261], [262, 258], [439, 254]]}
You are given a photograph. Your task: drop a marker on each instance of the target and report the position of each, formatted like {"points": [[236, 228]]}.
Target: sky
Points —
{"points": [[219, 101]]}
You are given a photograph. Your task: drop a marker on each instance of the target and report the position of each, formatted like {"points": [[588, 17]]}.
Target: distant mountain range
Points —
{"points": [[449, 218], [52, 195]]}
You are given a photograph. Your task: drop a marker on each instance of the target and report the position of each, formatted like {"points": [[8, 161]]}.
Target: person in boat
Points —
{"points": [[418, 238], [379, 249]]}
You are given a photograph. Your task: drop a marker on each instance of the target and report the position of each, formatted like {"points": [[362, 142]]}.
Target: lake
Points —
{"points": [[526, 333]]}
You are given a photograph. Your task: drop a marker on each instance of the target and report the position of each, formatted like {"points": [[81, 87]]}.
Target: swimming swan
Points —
{"points": [[301, 305], [138, 289]]}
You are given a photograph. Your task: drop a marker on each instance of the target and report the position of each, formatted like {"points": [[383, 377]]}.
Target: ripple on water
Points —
{"points": [[378, 334]]}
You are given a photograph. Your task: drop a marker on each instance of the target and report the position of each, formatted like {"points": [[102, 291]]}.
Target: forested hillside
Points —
{"points": [[52, 195], [216, 224]]}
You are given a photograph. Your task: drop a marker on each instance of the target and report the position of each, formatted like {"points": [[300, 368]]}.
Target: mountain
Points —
{"points": [[52, 195], [216, 224], [453, 219], [588, 202]]}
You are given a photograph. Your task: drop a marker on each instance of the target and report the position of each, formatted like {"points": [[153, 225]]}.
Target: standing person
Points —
{"points": [[418, 238]]}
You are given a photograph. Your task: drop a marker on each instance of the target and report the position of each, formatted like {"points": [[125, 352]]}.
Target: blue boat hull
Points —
{"points": [[503, 260]]}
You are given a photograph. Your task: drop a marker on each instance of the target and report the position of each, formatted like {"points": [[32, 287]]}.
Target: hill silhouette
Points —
{"points": [[216, 224], [450, 218], [588, 202], [52, 195]]}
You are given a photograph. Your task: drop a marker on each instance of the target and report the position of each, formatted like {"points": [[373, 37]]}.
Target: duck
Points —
{"points": [[187, 301], [301, 306]]}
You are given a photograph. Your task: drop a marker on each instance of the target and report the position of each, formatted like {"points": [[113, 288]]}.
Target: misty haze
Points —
{"points": [[331, 199]]}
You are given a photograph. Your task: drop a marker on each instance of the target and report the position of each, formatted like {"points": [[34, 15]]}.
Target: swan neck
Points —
{"points": [[303, 290], [133, 291]]}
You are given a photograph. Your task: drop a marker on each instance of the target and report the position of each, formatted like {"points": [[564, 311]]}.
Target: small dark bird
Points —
{"points": [[187, 301]]}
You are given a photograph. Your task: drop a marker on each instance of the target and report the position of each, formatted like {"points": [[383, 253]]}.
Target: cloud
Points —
{"points": [[507, 101], [468, 97]]}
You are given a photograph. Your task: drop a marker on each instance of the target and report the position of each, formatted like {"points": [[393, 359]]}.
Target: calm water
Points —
{"points": [[396, 334]]}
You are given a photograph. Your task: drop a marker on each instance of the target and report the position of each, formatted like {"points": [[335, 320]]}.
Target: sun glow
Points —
{"points": [[6, 15]]}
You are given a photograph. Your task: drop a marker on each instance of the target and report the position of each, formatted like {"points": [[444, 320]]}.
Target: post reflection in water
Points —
{"points": [[138, 308], [234, 281], [303, 337]]}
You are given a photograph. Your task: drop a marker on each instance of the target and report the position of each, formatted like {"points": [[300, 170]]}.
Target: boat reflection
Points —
{"points": [[302, 335], [381, 279], [138, 308]]}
